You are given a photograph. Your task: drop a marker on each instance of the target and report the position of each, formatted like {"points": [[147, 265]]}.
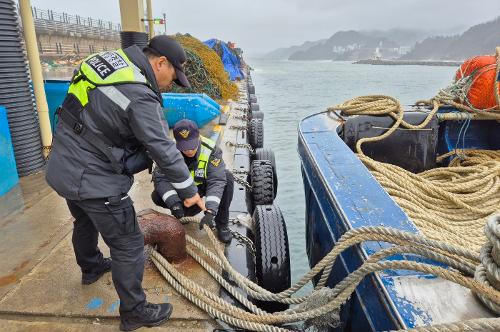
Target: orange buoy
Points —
{"points": [[482, 71]]}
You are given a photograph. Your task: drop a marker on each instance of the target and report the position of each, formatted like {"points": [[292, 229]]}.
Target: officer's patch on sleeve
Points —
{"points": [[215, 162]]}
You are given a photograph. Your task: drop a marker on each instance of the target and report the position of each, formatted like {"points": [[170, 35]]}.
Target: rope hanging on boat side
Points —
{"points": [[331, 299], [448, 204]]}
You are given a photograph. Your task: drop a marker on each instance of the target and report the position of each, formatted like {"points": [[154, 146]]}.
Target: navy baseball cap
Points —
{"points": [[173, 51], [187, 135]]}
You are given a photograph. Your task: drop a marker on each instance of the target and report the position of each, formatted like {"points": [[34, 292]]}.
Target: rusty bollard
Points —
{"points": [[166, 232]]}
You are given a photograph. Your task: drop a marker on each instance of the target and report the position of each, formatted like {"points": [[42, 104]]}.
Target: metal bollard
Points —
{"points": [[166, 232]]}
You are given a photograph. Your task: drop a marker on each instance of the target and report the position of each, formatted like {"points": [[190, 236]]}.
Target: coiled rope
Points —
{"points": [[320, 306], [447, 204]]}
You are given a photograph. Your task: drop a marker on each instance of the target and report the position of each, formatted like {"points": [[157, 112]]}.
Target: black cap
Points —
{"points": [[187, 135], [173, 51]]}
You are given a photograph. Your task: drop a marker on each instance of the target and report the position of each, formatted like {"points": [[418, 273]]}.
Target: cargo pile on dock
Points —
{"points": [[205, 70]]}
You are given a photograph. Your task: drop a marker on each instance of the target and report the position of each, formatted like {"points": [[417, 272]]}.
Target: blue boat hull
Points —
{"points": [[341, 195], [326, 221]]}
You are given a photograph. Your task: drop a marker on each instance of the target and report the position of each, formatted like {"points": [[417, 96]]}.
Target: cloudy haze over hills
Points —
{"points": [[260, 26], [405, 44]]}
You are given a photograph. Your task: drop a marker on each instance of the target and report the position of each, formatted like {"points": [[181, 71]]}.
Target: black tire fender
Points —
{"points": [[254, 107], [268, 154], [262, 180], [252, 99], [257, 115], [256, 133], [272, 256]]}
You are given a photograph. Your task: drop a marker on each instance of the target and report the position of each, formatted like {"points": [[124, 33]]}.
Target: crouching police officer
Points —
{"points": [[111, 122], [204, 160]]}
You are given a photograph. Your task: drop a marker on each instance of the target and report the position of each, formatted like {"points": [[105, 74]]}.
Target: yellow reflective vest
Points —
{"points": [[199, 174], [101, 69]]}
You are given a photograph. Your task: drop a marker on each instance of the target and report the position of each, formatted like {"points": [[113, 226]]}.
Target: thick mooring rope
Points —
{"points": [[488, 272], [447, 204], [330, 299], [450, 190]]}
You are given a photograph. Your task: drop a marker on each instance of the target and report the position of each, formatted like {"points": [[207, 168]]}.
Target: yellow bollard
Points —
{"points": [[36, 75]]}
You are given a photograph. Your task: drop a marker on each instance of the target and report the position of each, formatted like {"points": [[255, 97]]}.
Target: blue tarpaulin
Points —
{"points": [[229, 59], [197, 107]]}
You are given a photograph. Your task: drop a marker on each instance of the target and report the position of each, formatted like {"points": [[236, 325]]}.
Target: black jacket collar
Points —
{"points": [[136, 55]]}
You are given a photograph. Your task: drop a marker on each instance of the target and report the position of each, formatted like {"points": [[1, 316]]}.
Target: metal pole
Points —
{"points": [[151, 23], [165, 22], [36, 74], [131, 12]]}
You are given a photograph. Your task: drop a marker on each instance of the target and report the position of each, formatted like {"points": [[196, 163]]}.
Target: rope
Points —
{"points": [[488, 272], [448, 204], [259, 320]]}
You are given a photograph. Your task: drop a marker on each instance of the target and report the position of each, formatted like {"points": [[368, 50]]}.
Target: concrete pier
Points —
{"points": [[408, 62]]}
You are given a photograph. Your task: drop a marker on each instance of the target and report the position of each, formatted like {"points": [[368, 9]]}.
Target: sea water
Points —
{"points": [[288, 91]]}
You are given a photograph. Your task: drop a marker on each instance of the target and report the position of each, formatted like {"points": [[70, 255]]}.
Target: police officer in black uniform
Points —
{"points": [[204, 160], [111, 123]]}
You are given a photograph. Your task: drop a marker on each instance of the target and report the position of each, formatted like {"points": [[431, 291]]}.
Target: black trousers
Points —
{"points": [[116, 220], [222, 217]]}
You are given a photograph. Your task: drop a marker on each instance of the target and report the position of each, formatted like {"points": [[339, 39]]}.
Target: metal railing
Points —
{"points": [[72, 36], [50, 15], [53, 23]]}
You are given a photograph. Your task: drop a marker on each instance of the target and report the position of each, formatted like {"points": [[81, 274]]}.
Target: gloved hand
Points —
{"points": [[208, 219], [177, 210]]}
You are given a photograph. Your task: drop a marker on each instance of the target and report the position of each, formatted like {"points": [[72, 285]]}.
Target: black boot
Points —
{"points": [[223, 233], [94, 275], [150, 315]]}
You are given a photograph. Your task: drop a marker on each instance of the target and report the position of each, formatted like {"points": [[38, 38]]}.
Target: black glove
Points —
{"points": [[208, 219], [177, 210]]}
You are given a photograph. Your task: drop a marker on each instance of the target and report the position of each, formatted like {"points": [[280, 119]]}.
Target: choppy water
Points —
{"points": [[287, 91]]}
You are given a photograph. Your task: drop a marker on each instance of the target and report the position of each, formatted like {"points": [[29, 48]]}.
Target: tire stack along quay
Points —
{"points": [[40, 282]]}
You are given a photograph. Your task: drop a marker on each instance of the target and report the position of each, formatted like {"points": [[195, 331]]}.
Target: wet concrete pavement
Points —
{"points": [[41, 282]]}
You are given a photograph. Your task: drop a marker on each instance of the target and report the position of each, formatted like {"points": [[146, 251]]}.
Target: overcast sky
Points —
{"points": [[263, 25]]}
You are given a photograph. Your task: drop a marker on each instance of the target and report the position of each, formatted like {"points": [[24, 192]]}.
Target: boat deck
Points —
{"points": [[341, 195], [40, 282]]}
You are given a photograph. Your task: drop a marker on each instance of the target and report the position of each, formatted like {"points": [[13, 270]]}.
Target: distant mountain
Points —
{"points": [[403, 37], [285, 52], [479, 39], [349, 45]]}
